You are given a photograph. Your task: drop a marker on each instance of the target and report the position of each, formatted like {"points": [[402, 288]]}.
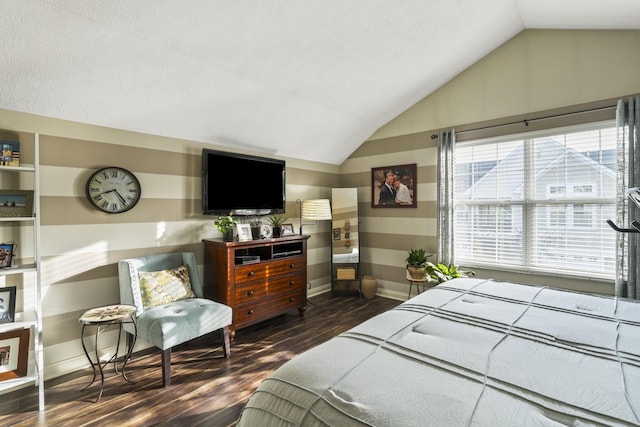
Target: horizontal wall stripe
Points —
{"points": [[375, 241], [397, 144], [76, 153]]}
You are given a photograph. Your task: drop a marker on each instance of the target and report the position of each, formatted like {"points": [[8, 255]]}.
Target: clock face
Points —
{"points": [[113, 190], [265, 231]]}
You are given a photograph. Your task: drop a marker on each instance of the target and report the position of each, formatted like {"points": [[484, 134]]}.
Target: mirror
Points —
{"points": [[344, 209]]}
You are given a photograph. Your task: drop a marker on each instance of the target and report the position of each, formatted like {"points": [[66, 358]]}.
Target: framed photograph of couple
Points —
{"points": [[14, 353], [394, 186]]}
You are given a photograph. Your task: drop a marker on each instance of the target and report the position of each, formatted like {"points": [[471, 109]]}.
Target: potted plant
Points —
{"points": [[276, 221], [440, 273], [225, 225], [255, 224], [417, 263]]}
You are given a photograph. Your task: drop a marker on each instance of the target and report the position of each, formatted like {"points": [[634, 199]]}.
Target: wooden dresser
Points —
{"points": [[258, 279]]}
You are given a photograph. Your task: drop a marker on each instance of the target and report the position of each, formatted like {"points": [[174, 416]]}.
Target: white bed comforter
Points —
{"points": [[468, 353]]}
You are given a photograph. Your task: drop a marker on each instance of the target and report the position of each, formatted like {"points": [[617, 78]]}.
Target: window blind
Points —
{"points": [[538, 202]]}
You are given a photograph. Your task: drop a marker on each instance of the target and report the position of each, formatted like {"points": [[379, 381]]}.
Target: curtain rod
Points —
{"points": [[527, 121]]}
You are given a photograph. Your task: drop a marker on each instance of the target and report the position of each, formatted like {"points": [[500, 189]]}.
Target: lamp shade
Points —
{"points": [[316, 209]]}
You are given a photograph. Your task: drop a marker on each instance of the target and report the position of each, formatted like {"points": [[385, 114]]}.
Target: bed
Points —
{"points": [[468, 352]]}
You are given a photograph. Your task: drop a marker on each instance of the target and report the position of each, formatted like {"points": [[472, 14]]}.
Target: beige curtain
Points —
{"points": [[628, 176], [445, 232]]}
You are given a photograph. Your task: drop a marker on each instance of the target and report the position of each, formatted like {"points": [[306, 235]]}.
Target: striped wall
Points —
{"points": [[81, 245]]}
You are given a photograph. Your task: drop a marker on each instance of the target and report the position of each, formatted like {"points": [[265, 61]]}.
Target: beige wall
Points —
{"points": [[536, 71], [81, 245]]}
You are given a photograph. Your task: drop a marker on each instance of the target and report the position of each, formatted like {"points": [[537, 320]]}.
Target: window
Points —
{"points": [[538, 203]]}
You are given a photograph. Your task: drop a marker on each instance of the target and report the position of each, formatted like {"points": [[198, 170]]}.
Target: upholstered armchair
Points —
{"points": [[170, 307]]}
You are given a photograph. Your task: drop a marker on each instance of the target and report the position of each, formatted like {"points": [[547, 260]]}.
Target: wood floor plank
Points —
{"points": [[206, 388]]}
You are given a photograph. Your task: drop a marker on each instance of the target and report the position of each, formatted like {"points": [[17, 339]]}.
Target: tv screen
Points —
{"points": [[242, 184]]}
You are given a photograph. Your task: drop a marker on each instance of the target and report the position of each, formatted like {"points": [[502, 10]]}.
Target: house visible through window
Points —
{"points": [[538, 203]]}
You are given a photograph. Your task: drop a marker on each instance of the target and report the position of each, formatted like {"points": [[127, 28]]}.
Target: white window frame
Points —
{"points": [[529, 203]]}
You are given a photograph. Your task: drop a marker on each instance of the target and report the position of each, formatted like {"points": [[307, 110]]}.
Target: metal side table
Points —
{"points": [[103, 317]]}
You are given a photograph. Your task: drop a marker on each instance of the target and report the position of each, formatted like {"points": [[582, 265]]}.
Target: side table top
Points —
{"points": [[107, 313]]}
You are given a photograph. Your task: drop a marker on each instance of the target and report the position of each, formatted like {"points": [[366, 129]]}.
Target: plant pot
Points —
{"points": [[227, 236], [275, 232], [255, 233], [419, 273], [369, 286]]}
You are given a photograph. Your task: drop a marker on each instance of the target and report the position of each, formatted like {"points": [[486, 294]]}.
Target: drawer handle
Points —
{"points": [[250, 312], [251, 273], [292, 265], [250, 293], [292, 299], [291, 283]]}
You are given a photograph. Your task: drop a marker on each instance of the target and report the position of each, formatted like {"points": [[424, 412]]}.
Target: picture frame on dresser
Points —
{"points": [[16, 203], [14, 353], [7, 304], [287, 230], [244, 232]]}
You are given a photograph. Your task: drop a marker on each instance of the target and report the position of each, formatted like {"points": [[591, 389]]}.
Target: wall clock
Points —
{"points": [[113, 190]]}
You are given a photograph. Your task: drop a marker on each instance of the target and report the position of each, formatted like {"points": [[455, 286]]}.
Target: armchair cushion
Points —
{"points": [[164, 286], [171, 324]]}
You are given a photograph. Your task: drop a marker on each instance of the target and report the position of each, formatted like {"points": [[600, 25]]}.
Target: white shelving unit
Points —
{"points": [[29, 312]]}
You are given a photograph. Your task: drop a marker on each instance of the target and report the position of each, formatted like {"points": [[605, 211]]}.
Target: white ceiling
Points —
{"points": [[295, 78]]}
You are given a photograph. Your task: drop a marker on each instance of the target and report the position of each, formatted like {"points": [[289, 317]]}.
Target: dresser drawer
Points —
{"points": [[263, 270], [266, 308], [271, 286]]}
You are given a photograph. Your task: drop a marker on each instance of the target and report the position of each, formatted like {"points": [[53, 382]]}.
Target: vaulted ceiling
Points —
{"points": [[308, 79]]}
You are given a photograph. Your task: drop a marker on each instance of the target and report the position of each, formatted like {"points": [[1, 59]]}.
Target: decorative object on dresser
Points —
{"points": [[286, 230], [244, 232], [257, 279], [276, 221], [113, 190], [225, 224], [255, 224], [171, 310]]}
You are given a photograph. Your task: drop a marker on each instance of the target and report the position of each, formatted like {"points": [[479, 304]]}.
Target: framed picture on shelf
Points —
{"points": [[244, 232], [394, 186], [7, 304], [286, 230], [6, 254], [14, 353], [336, 234], [16, 203], [10, 155]]}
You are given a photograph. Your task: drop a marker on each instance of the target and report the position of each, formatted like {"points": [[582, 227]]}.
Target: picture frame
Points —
{"points": [[336, 234], [9, 153], [244, 232], [16, 203], [286, 230], [7, 251], [8, 304], [404, 190], [14, 353]]}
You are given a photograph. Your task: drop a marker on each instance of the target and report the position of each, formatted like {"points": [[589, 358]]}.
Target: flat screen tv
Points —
{"points": [[242, 184]]}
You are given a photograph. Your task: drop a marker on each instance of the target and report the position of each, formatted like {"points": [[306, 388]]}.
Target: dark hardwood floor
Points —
{"points": [[206, 388]]}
